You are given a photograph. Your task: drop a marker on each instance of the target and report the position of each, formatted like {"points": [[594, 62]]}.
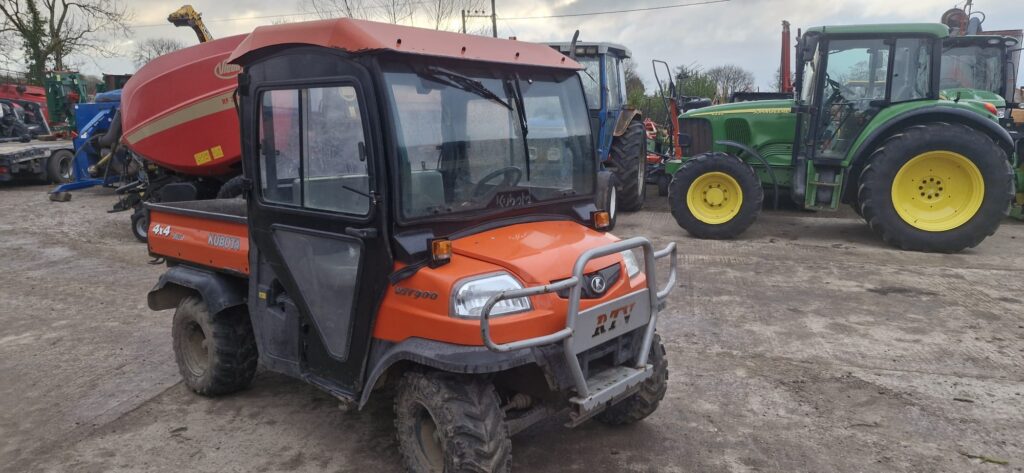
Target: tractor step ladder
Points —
{"points": [[824, 186]]}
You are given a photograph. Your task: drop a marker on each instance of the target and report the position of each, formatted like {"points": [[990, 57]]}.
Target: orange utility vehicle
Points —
{"points": [[402, 224]]}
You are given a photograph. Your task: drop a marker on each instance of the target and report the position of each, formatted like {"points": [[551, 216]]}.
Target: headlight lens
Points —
{"points": [[471, 296], [632, 264]]}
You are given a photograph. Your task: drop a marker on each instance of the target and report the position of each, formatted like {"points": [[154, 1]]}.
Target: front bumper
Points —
{"points": [[584, 330]]}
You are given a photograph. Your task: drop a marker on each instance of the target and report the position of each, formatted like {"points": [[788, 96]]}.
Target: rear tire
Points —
{"points": [[232, 188], [628, 156], [644, 402], [963, 176], [60, 167], [718, 218], [216, 353], [451, 423]]}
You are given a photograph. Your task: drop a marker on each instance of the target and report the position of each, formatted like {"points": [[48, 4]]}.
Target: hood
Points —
{"points": [[537, 252], [767, 107]]}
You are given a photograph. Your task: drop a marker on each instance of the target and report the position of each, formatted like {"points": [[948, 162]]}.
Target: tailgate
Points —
{"points": [[215, 240]]}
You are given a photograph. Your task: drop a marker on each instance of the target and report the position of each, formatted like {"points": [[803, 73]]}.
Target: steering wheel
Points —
{"points": [[510, 177]]}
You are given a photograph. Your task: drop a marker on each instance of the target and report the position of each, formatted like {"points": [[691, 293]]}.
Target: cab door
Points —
{"points": [[316, 215]]}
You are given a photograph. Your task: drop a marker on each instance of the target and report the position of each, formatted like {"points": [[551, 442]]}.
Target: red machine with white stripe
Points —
{"points": [[179, 120], [178, 111]]}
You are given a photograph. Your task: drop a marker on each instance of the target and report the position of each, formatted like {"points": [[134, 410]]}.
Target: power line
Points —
{"points": [[662, 7]]}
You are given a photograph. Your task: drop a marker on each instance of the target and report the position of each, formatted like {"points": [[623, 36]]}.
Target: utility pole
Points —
{"points": [[482, 14], [494, 20]]}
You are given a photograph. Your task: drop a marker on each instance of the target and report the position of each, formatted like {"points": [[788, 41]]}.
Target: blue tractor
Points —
{"points": [[621, 138]]}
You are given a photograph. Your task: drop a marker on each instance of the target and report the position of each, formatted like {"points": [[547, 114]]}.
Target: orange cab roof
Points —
{"points": [[357, 36]]}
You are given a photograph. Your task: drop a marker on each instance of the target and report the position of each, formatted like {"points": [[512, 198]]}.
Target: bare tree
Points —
{"points": [[440, 13], [336, 8], [730, 79], [151, 48], [393, 11], [52, 30]]}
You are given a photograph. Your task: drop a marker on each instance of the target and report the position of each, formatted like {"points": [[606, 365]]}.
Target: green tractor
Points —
{"points": [[868, 129]]}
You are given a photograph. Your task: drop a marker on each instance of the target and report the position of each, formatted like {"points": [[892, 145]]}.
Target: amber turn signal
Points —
{"points": [[440, 250], [991, 108], [602, 219]]}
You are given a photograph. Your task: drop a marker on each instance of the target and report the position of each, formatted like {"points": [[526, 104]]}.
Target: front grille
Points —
{"points": [[610, 275], [699, 132]]}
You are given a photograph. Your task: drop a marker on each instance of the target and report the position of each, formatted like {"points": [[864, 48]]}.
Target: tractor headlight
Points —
{"points": [[632, 264], [471, 295]]}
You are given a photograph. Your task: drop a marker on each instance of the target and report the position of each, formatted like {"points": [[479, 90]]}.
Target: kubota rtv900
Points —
{"points": [[420, 210]]}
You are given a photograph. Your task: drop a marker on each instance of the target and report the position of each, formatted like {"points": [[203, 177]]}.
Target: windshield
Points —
{"points": [[460, 139], [972, 67], [591, 77]]}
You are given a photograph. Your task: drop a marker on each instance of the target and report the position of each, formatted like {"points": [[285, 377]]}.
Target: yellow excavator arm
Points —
{"points": [[188, 16]]}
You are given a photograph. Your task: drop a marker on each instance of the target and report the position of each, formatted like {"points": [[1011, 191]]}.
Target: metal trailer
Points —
{"points": [[42, 160]]}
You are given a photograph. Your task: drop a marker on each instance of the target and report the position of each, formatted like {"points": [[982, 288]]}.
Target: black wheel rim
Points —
{"points": [[195, 350], [428, 440]]}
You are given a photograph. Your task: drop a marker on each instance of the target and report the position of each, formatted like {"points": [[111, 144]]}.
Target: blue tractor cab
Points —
{"points": [[618, 127]]}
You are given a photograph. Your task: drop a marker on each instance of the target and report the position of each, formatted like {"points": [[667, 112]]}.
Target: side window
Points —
{"points": [[614, 87], [312, 149], [911, 75]]}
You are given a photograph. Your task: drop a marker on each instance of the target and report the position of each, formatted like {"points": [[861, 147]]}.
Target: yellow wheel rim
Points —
{"points": [[714, 198], [938, 191]]}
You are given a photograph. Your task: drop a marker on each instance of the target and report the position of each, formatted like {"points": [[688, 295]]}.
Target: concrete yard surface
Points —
{"points": [[807, 345]]}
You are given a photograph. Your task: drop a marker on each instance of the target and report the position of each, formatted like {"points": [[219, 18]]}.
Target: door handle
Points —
{"points": [[364, 233]]}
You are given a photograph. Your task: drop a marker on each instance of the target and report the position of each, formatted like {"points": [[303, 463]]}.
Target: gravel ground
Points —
{"points": [[807, 345]]}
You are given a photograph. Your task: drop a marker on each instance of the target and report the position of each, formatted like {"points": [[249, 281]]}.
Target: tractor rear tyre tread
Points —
{"points": [[874, 194], [753, 195], [224, 361], [644, 402], [628, 156], [466, 415]]}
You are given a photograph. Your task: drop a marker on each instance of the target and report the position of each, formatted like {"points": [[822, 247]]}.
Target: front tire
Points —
{"points": [[628, 156], [644, 402], [450, 423], [937, 187], [715, 196], [216, 353]]}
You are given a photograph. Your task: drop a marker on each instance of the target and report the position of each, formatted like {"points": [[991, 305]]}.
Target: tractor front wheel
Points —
{"points": [[937, 187], [715, 196], [628, 159], [451, 423]]}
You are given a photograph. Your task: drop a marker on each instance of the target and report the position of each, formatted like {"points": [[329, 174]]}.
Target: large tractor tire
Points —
{"points": [[937, 187], [233, 188], [715, 196], [216, 353], [644, 402], [451, 423], [60, 167], [628, 158]]}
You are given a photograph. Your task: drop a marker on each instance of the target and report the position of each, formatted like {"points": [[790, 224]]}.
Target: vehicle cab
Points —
{"points": [[421, 204]]}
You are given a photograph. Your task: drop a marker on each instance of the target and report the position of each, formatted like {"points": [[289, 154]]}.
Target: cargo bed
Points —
{"points": [[209, 233]]}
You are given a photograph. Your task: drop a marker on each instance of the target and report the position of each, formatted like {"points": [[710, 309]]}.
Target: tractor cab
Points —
{"points": [[978, 68], [849, 75], [617, 127]]}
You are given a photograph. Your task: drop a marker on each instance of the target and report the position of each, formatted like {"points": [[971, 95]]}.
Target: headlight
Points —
{"points": [[471, 296], [632, 265]]}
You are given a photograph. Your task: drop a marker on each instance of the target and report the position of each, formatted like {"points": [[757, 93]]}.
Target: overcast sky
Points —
{"points": [[742, 32]]}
